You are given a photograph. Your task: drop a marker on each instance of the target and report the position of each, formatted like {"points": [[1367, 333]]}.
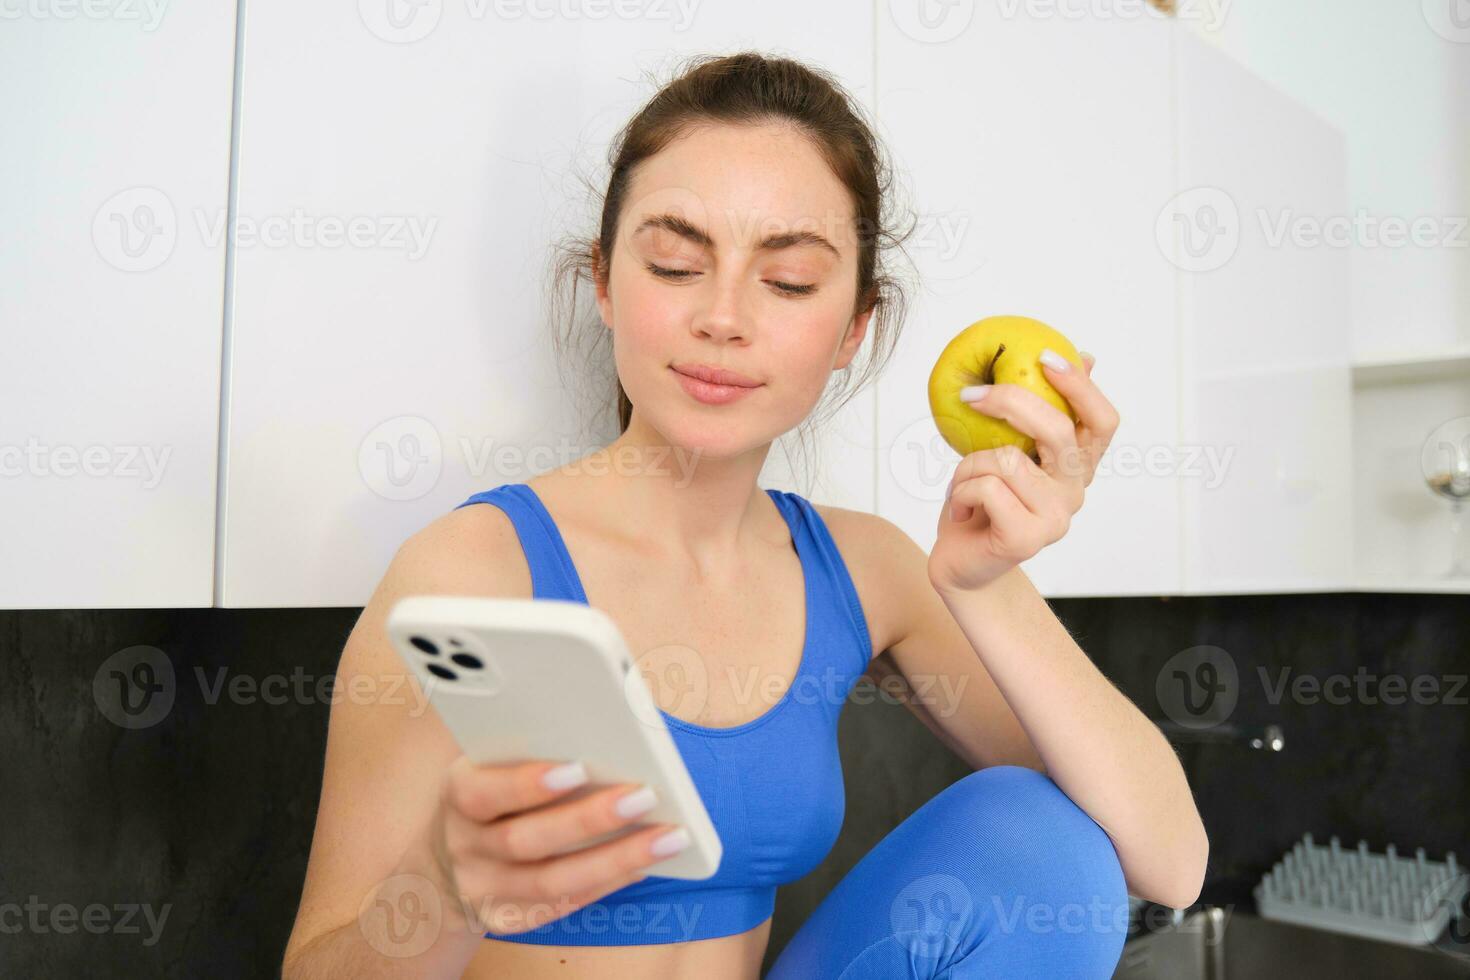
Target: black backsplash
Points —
{"points": [[207, 814]]}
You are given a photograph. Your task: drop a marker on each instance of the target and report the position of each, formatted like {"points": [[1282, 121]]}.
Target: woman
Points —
{"points": [[740, 232]]}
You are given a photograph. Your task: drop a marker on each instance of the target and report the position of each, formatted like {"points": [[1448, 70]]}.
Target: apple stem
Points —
{"points": [[990, 368]]}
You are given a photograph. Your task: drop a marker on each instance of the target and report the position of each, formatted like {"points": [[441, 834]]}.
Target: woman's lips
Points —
{"points": [[711, 394]]}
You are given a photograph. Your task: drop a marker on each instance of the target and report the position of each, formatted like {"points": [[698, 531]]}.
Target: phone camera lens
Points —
{"points": [[467, 660], [443, 672], [425, 645]]}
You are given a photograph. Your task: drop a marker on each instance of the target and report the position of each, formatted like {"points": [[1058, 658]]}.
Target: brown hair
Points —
{"points": [[749, 88]]}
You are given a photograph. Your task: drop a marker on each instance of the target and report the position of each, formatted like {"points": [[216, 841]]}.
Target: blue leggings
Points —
{"points": [[999, 875]]}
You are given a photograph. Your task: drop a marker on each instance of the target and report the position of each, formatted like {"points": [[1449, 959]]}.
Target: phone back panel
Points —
{"points": [[519, 679]]}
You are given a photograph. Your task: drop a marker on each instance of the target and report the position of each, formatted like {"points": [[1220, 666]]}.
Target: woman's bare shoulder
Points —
{"points": [[472, 550], [881, 560]]}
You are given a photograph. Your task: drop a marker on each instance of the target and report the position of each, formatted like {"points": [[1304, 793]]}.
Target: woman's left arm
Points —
{"points": [[1002, 508], [1096, 745]]}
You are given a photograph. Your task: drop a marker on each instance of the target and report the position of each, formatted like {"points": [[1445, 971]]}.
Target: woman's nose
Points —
{"points": [[723, 317]]}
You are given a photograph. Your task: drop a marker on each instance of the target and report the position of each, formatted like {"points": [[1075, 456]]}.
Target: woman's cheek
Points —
{"points": [[650, 323]]}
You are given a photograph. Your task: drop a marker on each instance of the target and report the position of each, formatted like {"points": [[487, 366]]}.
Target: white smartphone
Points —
{"points": [[521, 679]]}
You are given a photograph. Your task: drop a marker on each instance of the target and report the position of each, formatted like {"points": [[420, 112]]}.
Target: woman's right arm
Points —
{"points": [[417, 852]]}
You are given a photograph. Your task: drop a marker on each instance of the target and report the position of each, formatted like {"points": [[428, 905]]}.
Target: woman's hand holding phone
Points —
{"points": [[496, 834]]}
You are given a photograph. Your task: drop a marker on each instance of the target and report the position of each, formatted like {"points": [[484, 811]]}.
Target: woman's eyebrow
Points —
{"points": [[680, 226]]}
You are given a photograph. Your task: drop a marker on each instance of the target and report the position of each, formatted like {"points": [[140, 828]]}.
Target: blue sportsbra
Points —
{"points": [[772, 786]]}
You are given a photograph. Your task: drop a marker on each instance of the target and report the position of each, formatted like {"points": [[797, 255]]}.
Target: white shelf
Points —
{"points": [[1446, 585], [1449, 362]]}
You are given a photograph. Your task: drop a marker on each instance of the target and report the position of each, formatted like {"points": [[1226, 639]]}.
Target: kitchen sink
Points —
{"points": [[1214, 943]]}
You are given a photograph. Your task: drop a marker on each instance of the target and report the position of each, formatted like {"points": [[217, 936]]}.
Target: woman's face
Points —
{"points": [[736, 249]]}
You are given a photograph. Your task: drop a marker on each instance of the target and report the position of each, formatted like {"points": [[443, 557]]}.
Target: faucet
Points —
{"points": [[1269, 737]]}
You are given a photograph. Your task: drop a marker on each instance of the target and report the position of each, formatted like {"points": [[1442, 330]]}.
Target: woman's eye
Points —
{"points": [[675, 274], [680, 275]]}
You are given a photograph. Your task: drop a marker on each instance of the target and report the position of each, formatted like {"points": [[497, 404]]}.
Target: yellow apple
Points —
{"points": [[995, 350]]}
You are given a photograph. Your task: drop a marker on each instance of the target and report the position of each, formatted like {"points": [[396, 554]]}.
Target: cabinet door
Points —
{"points": [[1266, 333], [377, 381], [1038, 150], [116, 126]]}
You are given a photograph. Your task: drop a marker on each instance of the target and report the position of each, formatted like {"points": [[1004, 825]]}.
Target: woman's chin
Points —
{"points": [[710, 440]]}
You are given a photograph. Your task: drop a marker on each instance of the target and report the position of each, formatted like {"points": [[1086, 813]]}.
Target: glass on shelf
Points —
{"points": [[1445, 462]]}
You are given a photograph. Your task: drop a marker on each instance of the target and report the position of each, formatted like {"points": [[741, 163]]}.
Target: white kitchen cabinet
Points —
{"points": [[376, 385], [1264, 303], [1039, 150], [116, 127], [386, 344]]}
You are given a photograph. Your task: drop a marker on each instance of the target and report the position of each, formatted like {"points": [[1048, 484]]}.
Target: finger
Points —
{"points": [[990, 494], [569, 874], [556, 827], [1096, 416], [1015, 532], [488, 792], [1029, 413], [1088, 360], [1028, 482]]}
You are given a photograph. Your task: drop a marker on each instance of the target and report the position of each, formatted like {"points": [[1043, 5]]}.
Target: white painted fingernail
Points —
{"points": [[636, 802], [671, 843], [973, 393], [565, 776], [1054, 360]]}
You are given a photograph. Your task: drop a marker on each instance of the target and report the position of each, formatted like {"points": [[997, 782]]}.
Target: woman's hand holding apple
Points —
{"points": [[1003, 506]]}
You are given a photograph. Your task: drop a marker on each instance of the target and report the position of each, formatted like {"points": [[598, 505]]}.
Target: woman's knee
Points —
{"points": [[1029, 827], [999, 874], [1009, 877]]}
